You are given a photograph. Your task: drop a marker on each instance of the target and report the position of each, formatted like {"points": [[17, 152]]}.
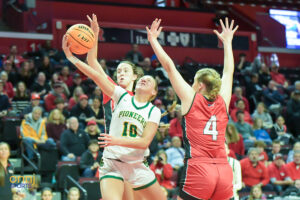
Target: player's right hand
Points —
{"points": [[66, 47], [94, 23], [155, 30]]}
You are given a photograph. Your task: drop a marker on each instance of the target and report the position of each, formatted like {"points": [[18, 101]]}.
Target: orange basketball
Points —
{"points": [[81, 38]]}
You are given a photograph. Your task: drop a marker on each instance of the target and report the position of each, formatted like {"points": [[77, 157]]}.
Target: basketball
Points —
{"points": [[81, 38]]}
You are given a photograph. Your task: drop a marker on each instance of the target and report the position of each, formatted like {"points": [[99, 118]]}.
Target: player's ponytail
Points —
{"points": [[211, 79]]}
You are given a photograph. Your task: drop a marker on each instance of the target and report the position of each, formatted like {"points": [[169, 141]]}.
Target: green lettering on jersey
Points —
{"points": [[121, 114], [125, 126], [135, 115], [131, 114]]}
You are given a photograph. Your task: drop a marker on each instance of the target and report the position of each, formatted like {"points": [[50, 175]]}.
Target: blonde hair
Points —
{"points": [[211, 79], [61, 119], [234, 136]]}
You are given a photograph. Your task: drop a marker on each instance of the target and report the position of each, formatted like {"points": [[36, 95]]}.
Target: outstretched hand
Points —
{"points": [[94, 23], [155, 29], [227, 31], [108, 140], [66, 47]]}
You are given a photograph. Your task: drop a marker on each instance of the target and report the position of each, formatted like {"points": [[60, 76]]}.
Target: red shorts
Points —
{"points": [[206, 181]]}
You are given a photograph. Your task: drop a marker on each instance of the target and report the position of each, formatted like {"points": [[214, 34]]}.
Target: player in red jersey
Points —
{"points": [[127, 75], [207, 174]]}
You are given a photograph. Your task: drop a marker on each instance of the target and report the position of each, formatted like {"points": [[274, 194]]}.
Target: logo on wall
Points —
{"points": [[173, 39]]}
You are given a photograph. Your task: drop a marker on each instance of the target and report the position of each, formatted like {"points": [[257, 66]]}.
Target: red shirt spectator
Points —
{"points": [[9, 89], [50, 98], [276, 169], [293, 168], [238, 94], [276, 76], [66, 77], [175, 128], [254, 171], [235, 140], [247, 115], [263, 156], [231, 154], [13, 57]]}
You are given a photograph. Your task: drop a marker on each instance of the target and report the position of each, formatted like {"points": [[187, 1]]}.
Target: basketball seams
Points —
{"points": [[91, 38], [78, 41]]}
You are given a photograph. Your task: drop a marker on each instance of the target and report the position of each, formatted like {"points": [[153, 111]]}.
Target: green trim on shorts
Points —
{"points": [[145, 186], [110, 176]]}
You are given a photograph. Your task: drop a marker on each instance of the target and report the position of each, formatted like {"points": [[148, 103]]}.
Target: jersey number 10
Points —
{"points": [[132, 130], [211, 127]]}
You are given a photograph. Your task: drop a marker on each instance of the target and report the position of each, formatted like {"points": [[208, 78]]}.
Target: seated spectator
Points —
{"points": [[175, 124], [240, 106], [54, 80], [92, 130], [254, 90], [169, 97], [6, 171], [14, 56], [65, 76], [74, 193], [46, 194], [260, 145], [97, 112], [293, 191], [51, 96], [163, 170], [55, 125], [293, 168], [77, 81], [22, 93], [160, 105], [279, 132], [161, 77], [12, 75], [25, 75], [35, 101], [238, 95], [134, 55], [97, 93], [278, 77], [293, 113], [290, 157], [82, 111], [264, 75], [4, 102], [278, 174], [237, 173], [60, 105], [256, 193], [73, 141], [148, 70], [75, 98], [242, 63], [33, 131], [276, 146], [245, 130], [163, 137], [262, 113], [90, 159], [46, 66], [235, 140], [40, 86], [260, 133], [8, 87], [272, 97], [175, 153], [254, 172]]}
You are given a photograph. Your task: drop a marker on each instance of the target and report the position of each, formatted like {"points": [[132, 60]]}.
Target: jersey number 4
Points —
{"points": [[132, 130], [211, 127]]}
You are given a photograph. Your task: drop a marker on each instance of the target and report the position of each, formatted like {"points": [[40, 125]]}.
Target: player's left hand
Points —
{"points": [[66, 47], [108, 140], [227, 31], [155, 29], [94, 23]]}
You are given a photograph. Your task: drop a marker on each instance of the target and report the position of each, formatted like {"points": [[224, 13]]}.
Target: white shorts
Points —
{"points": [[138, 174]]}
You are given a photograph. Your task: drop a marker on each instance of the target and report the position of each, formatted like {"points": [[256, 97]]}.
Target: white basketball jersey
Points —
{"points": [[129, 120]]}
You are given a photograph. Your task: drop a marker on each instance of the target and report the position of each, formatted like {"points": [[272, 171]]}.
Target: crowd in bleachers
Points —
{"points": [[61, 113]]}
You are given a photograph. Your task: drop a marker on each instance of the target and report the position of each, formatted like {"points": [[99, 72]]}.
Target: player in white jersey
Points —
{"points": [[137, 133]]}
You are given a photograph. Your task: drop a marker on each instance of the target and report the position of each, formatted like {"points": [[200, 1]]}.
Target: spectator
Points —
{"points": [[90, 159], [73, 141], [260, 133], [8, 68], [293, 191], [98, 112], [242, 63], [6, 171], [22, 93], [175, 124], [170, 97], [175, 153], [256, 193], [82, 111], [134, 55], [290, 157], [260, 145], [160, 105], [14, 57], [8, 87], [78, 91], [254, 172], [237, 174], [275, 149], [240, 106], [262, 113], [293, 113], [77, 81], [254, 89], [25, 75], [46, 194], [245, 129], [92, 130], [4, 101], [279, 132], [74, 193], [51, 96], [55, 125], [97, 93], [148, 70], [102, 62], [235, 140], [60, 105], [293, 168], [278, 77], [272, 98], [46, 67], [264, 75], [238, 95], [65, 76], [35, 101], [33, 131], [163, 170], [162, 136], [54, 80], [40, 86], [278, 174]]}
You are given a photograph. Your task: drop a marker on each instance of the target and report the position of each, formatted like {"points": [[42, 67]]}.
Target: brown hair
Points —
{"points": [[2, 169], [234, 137], [251, 196], [211, 79]]}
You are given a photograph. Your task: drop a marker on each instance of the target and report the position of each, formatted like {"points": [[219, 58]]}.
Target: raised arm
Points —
{"points": [[92, 54], [183, 89], [99, 78], [226, 37]]}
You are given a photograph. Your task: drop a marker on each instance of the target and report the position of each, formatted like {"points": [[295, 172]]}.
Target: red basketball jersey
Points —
{"points": [[204, 129]]}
